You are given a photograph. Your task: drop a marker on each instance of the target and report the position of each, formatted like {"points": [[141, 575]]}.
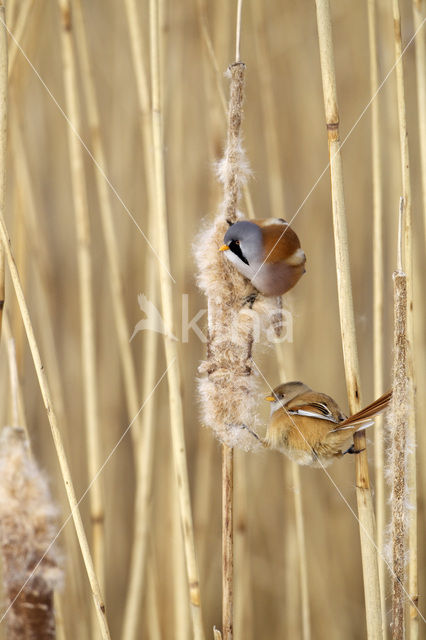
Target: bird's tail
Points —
{"points": [[363, 417]]}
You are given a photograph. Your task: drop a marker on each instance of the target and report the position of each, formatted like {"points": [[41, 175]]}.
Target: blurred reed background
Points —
{"points": [[286, 144]]}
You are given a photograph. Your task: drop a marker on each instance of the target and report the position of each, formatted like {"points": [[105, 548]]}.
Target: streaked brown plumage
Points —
{"points": [[267, 252], [309, 427]]}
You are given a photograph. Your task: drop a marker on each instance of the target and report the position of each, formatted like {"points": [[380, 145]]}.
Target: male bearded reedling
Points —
{"points": [[309, 427], [267, 252]]}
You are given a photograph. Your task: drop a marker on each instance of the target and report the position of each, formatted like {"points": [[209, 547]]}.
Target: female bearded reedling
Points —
{"points": [[309, 427], [267, 252]]}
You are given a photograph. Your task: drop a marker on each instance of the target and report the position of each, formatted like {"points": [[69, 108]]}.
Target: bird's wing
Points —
{"points": [[279, 241], [317, 410], [316, 405], [368, 412]]}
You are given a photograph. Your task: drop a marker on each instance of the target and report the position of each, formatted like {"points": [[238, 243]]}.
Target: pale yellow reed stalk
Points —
{"points": [[378, 288], [408, 268], [153, 615], [18, 33], [419, 14], [21, 418], [41, 265], [347, 325], [173, 372], [85, 279], [227, 542], [181, 615], [19, 235], [144, 469], [3, 140], [171, 351], [243, 598]]}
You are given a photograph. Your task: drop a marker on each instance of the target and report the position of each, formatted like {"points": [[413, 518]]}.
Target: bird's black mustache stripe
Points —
{"points": [[235, 248]]}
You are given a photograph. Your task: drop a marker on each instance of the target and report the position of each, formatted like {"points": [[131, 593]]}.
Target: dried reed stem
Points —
{"points": [[85, 279], [227, 542], [378, 287], [19, 396], [3, 141], [40, 265], [408, 268], [18, 33], [398, 448], [27, 528], [145, 457], [228, 390], [243, 587], [419, 14], [13, 376], [347, 324], [173, 372], [145, 468]]}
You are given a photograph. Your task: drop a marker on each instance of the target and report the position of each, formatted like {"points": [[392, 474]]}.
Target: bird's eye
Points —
{"points": [[237, 242]]}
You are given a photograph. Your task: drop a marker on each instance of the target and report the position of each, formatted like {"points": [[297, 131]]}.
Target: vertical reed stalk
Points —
{"points": [[378, 287], [85, 278], [20, 400], [408, 267], [152, 180], [63, 463], [144, 469], [243, 598], [419, 14], [283, 369], [347, 324], [3, 141], [398, 448], [18, 33], [153, 622], [181, 615], [227, 542], [173, 373], [40, 265]]}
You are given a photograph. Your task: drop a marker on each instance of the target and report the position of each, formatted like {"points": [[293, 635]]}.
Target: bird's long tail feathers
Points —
{"points": [[362, 417]]}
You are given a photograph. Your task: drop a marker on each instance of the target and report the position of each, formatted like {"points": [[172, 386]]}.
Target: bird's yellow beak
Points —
{"points": [[224, 247], [270, 398]]}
